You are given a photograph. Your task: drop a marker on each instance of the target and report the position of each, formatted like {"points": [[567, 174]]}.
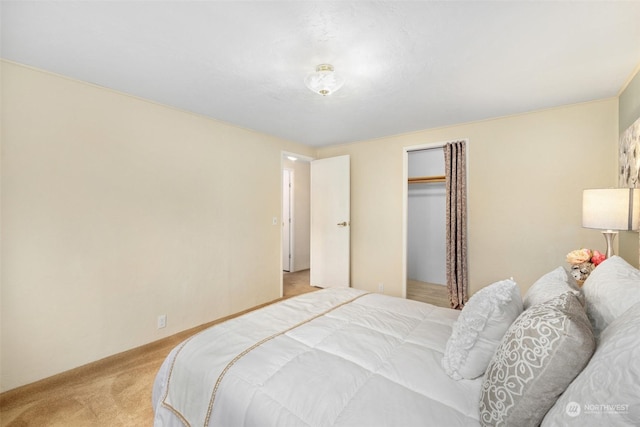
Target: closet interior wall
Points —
{"points": [[426, 221]]}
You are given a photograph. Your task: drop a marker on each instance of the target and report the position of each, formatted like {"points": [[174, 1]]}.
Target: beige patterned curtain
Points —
{"points": [[456, 238]]}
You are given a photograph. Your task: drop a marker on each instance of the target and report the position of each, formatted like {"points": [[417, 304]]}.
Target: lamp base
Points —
{"points": [[609, 236]]}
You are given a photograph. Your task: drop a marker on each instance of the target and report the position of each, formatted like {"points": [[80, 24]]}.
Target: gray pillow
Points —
{"points": [[541, 353]]}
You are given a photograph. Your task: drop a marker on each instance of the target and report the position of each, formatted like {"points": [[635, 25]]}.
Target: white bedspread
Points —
{"points": [[335, 357]]}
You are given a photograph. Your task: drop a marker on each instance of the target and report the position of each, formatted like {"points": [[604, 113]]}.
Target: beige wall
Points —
{"points": [[526, 176], [116, 210]]}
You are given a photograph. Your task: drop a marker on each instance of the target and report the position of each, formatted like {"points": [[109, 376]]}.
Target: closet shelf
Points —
{"points": [[427, 179]]}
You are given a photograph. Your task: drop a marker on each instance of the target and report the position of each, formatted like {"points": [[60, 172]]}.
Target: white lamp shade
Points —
{"points": [[611, 209]]}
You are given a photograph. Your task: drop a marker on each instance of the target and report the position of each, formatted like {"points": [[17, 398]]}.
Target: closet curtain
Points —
{"points": [[456, 222]]}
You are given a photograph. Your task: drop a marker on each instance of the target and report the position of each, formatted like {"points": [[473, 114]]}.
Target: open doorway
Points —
{"points": [[425, 222], [316, 205], [296, 205]]}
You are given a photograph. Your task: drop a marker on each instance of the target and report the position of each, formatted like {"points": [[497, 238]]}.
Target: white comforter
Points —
{"points": [[335, 357]]}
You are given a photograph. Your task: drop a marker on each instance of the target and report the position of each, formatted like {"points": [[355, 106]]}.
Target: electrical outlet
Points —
{"points": [[162, 321], [381, 288]]}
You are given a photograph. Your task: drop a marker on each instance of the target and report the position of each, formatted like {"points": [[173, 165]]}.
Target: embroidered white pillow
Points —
{"points": [[610, 378], [480, 328], [610, 290]]}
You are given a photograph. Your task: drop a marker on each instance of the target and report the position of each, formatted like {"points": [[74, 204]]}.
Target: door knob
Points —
{"points": [[343, 224]]}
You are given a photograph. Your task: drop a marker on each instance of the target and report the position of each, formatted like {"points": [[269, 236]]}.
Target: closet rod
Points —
{"points": [[427, 179]]}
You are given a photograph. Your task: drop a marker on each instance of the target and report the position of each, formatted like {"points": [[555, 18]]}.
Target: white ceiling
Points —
{"points": [[410, 65]]}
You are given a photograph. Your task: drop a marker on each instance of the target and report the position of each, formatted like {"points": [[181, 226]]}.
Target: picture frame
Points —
{"points": [[629, 157]]}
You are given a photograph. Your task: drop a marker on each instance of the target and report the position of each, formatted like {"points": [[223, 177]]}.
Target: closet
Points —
{"points": [[426, 218]]}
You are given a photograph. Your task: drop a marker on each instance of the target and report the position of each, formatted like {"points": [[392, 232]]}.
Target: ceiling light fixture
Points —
{"points": [[324, 81]]}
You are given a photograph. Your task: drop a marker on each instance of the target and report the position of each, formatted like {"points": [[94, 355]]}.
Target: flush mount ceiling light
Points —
{"points": [[324, 81]]}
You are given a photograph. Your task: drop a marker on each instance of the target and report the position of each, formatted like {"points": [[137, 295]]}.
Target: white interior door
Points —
{"points": [[286, 219], [330, 222]]}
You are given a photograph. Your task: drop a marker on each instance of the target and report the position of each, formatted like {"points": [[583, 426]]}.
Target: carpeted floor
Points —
{"points": [[296, 283], [112, 392]]}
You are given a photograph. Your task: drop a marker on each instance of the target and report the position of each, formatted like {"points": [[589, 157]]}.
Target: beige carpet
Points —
{"points": [[112, 392], [296, 283]]}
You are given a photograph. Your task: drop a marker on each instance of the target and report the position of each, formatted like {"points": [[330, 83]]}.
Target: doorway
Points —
{"points": [[296, 243], [425, 225], [317, 235]]}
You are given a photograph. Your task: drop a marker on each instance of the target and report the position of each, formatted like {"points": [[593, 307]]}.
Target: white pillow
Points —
{"points": [[611, 288], [605, 393], [549, 286], [480, 328]]}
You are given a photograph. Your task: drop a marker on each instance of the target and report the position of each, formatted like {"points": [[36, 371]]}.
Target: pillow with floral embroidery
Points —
{"points": [[611, 289], [605, 393], [479, 329]]}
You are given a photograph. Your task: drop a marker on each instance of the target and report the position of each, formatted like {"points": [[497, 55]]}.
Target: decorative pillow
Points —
{"points": [[610, 290], [541, 353], [606, 391], [550, 285], [479, 328]]}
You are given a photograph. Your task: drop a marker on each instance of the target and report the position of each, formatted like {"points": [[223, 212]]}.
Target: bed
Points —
{"points": [[345, 357]]}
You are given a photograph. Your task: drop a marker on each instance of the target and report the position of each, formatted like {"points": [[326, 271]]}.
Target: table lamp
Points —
{"points": [[610, 210]]}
